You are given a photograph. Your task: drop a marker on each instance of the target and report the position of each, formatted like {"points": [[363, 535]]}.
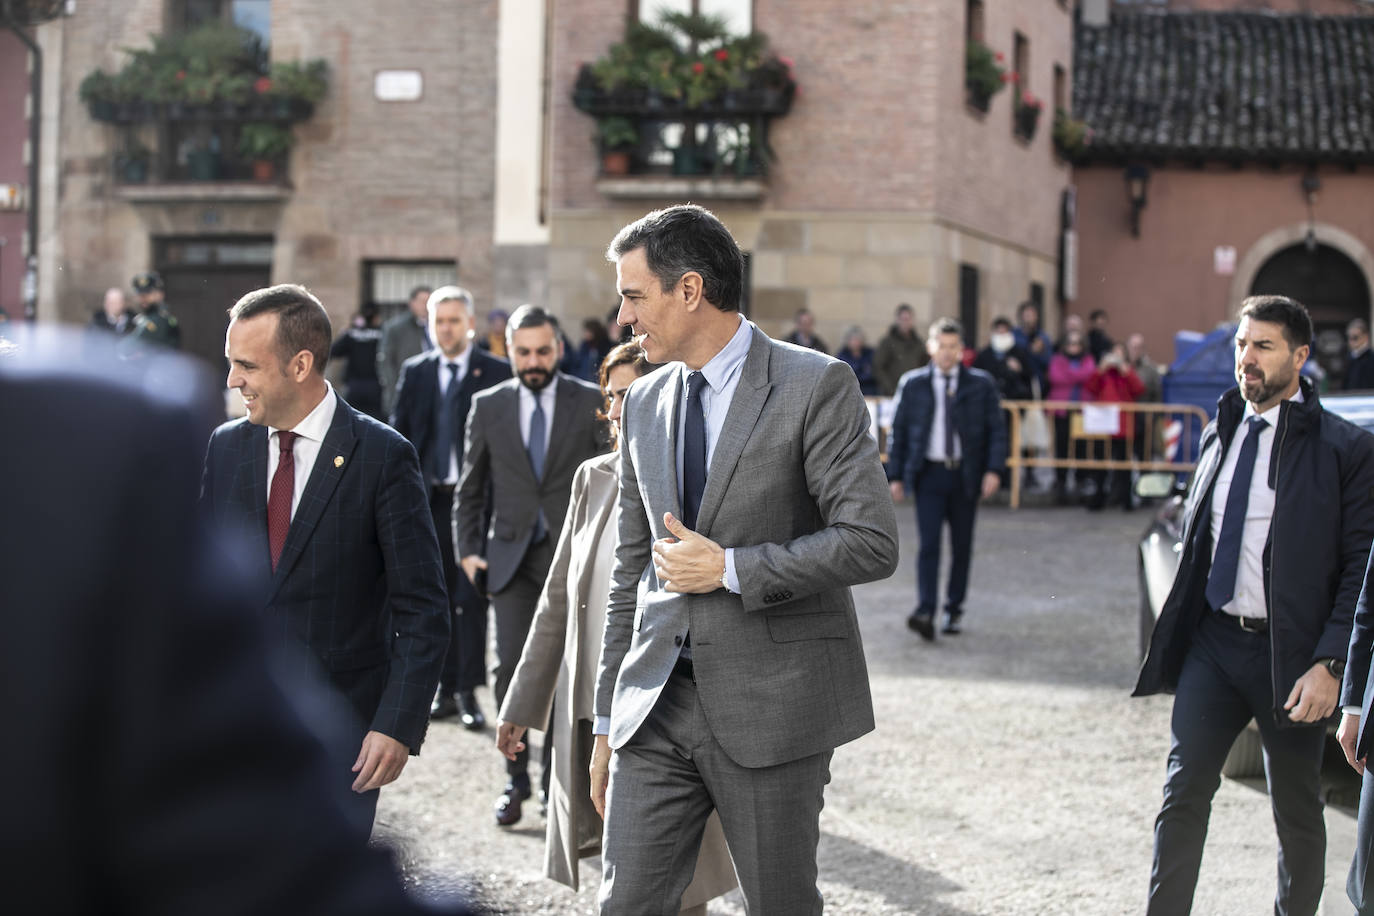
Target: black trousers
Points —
{"points": [[1224, 682], [941, 498], [465, 662], [514, 608]]}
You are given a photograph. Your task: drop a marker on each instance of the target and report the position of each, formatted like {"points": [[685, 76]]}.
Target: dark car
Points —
{"points": [[1162, 545]]}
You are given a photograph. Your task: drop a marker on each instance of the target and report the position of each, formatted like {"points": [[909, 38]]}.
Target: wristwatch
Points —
{"points": [[1336, 666], [725, 579]]}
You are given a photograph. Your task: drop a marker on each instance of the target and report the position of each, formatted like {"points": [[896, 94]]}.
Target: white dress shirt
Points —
{"points": [[462, 360], [935, 448], [546, 398], [310, 433], [722, 374], [1259, 511]]}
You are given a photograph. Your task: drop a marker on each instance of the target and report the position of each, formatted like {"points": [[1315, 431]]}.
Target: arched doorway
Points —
{"points": [[1333, 288]]}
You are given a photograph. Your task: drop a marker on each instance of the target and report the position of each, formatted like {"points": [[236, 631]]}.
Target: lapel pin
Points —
{"points": [[338, 461], [476, 373]]}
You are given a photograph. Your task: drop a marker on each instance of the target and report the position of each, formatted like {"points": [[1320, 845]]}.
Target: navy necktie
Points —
{"points": [[949, 417], [443, 430], [1221, 581], [693, 451], [536, 448]]}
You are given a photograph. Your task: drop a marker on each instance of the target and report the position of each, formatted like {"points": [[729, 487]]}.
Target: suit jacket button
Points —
{"points": [[677, 640], [786, 595]]}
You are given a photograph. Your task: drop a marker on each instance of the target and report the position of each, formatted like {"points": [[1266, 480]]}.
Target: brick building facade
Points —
{"points": [[886, 182], [378, 193]]}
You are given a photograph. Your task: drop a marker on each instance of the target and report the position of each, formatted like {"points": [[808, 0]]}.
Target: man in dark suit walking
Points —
{"points": [[949, 447], [1359, 371], [431, 410], [334, 509], [1277, 525], [525, 439], [751, 499]]}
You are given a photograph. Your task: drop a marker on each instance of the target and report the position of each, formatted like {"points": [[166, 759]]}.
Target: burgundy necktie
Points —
{"points": [[279, 496]]}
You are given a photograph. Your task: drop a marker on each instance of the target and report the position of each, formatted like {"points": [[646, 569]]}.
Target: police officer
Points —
{"points": [[154, 324]]}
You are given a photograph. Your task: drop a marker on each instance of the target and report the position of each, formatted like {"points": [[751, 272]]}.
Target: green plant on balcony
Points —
{"points": [[616, 137], [689, 59], [131, 163], [1071, 135], [265, 145], [215, 70], [984, 74]]}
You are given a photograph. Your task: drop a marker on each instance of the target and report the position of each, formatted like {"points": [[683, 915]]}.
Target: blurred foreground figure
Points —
{"points": [[164, 771]]}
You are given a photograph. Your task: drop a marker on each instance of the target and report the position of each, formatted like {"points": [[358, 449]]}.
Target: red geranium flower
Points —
{"points": [[698, 67], [786, 62], [263, 84], [722, 54], [998, 57], [181, 75]]}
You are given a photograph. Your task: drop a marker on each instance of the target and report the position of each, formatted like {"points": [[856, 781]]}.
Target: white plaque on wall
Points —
{"points": [[1224, 260], [398, 85]]}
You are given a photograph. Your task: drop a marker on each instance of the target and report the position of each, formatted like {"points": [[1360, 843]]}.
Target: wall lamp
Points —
{"points": [[1311, 184], [1137, 184]]}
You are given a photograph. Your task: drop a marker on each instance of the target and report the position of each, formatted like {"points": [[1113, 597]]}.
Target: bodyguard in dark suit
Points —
{"points": [[949, 447], [1277, 526], [525, 439], [164, 768], [431, 410], [347, 563]]}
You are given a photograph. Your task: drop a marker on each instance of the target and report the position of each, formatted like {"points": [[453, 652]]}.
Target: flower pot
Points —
{"points": [[978, 97], [688, 160], [203, 165], [1026, 119], [133, 171], [615, 162], [264, 170]]}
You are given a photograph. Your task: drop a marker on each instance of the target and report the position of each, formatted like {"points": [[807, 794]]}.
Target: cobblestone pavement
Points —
{"points": [[1010, 772]]}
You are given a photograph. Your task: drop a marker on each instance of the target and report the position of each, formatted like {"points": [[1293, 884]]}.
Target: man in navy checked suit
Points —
{"points": [[352, 576]]}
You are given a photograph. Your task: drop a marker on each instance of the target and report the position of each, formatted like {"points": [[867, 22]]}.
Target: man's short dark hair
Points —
{"points": [[1289, 314], [945, 326], [422, 288], [529, 316], [1096, 314], [686, 238], [1001, 321], [904, 308], [302, 322]]}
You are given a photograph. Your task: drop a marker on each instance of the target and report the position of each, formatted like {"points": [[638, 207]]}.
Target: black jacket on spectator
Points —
{"points": [[978, 419], [1360, 373], [1012, 384], [1322, 471]]}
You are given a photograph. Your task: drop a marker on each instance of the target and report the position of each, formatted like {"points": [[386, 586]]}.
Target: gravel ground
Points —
{"points": [[1010, 772]]}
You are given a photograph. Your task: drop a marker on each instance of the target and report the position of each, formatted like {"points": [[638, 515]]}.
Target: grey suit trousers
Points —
{"points": [[664, 784], [514, 608]]}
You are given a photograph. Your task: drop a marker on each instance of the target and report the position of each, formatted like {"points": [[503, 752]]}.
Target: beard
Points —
{"points": [[1256, 388], [535, 379]]}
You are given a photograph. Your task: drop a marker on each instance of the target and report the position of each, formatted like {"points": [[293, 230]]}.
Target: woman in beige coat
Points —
{"points": [[561, 655]]}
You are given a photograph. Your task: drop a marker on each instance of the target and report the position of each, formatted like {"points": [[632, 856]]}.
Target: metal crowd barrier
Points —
{"points": [[1169, 435]]}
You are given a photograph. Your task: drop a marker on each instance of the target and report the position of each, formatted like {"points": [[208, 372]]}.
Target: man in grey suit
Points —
{"points": [[525, 438], [732, 665]]}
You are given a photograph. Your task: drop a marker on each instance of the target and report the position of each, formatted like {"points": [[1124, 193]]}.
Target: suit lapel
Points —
{"points": [[338, 443], [745, 408], [250, 491]]}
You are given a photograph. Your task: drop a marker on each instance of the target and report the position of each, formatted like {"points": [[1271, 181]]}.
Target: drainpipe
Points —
{"points": [[31, 198]]}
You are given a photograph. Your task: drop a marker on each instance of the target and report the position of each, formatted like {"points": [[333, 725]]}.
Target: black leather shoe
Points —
{"points": [[923, 624], [444, 707], [508, 806], [952, 626], [473, 720]]}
